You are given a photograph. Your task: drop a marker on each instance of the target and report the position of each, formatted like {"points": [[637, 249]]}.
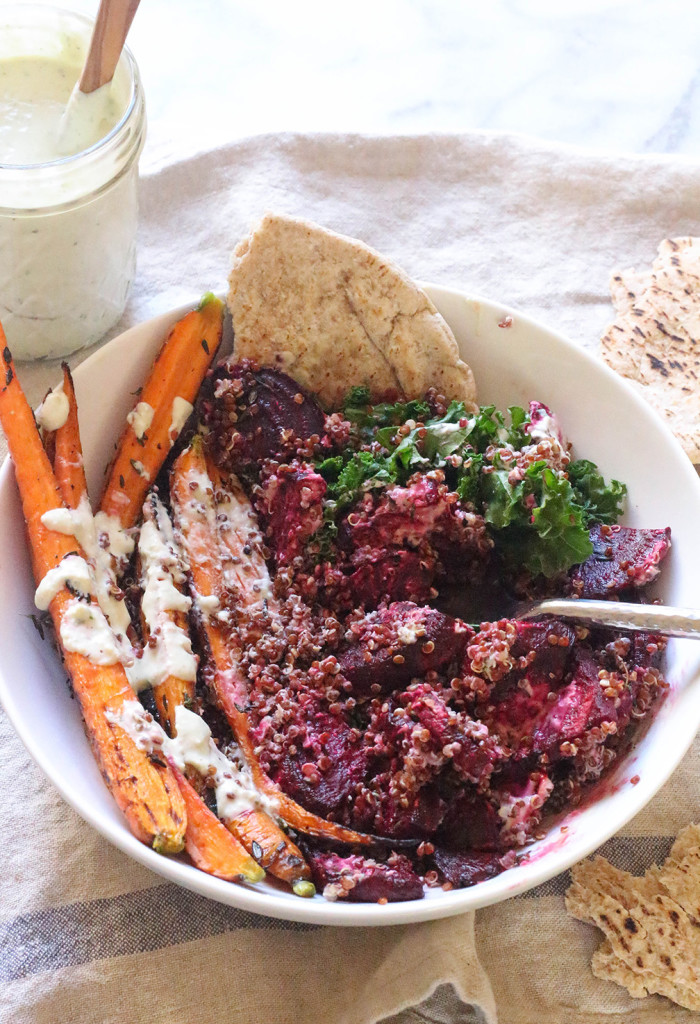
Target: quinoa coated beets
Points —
{"points": [[370, 705]]}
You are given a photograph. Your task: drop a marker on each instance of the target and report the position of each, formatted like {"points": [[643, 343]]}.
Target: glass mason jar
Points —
{"points": [[68, 225]]}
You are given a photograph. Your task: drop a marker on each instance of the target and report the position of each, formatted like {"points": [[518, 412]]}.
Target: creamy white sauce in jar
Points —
{"points": [[68, 188]]}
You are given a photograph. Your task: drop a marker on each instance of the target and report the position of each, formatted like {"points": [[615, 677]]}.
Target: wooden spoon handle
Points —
{"points": [[113, 22]]}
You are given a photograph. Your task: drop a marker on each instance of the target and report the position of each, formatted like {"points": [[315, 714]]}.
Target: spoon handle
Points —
{"points": [[113, 21], [653, 618]]}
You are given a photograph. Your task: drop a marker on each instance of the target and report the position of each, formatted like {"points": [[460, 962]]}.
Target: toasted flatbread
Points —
{"points": [[655, 340], [605, 965], [333, 313], [652, 933]]}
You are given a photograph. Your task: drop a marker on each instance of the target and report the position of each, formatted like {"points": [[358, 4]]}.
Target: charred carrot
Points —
{"points": [[164, 624], [210, 845], [273, 849], [163, 406], [146, 793], [68, 452], [192, 498], [256, 830]]}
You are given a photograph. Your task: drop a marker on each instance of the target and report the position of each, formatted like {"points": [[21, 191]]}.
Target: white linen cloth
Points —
{"points": [[90, 937]]}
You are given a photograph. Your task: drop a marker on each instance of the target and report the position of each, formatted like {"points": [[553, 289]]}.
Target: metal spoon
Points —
{"points": [[652, 618]]}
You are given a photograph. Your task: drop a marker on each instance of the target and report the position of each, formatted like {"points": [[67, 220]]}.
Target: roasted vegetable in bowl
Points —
{"points": [[278, 675]]}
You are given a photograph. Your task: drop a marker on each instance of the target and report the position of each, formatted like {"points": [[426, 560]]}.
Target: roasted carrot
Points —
{"points": [[68, 452], [196, 519], [256, 830], [210, 845], [172, 385], [146, 793]]}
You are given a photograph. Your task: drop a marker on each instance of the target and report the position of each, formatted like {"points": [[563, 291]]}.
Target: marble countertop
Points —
{"points": [[614, 75]]}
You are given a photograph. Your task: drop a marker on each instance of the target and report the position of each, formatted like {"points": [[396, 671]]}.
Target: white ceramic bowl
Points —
{"points": [[607, 422]]}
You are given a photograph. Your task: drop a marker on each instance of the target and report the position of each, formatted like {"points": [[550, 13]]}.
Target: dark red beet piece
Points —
{"points": [[471, 822], [580, 706], [464, 869], [622, 557], [290, 503], [394, 645], [270, 408], [514, 718], [325, 792], [401, 516], [423, 516], [364, 880], [380, 575], [547, 647], [404, 818]]}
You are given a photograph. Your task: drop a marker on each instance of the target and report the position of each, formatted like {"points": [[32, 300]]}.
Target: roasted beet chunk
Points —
{"points": [[464, 869], [396, 644], [622, 558], [423, 516], [290, 504], [584, 704], [471, 822], [380, 575], [521, 795], [323, 762], [385, 810], [364, 880], [259, 413], [545, 647]]}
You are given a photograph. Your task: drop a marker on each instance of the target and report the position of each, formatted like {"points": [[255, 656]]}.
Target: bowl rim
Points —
{"points": [[319, 911]]}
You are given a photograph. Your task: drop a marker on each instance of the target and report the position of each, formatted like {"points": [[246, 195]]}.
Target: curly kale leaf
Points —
{"points": [[541, 528], [358, 409], [600, 502]]}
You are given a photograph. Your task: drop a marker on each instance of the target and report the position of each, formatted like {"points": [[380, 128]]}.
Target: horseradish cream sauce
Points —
{"points": [[34, 96], [107, 547], [68, 203], [169, 651], [193, 747], [53, 411]]}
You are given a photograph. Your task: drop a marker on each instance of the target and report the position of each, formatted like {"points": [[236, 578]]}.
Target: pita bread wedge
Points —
{"points": [[334, 313], [651, 927], [655, 339]]}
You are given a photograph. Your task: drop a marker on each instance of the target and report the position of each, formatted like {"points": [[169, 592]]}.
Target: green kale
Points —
{"points": [[363, 415], [541, 528], [600, 502], [539, 520]]}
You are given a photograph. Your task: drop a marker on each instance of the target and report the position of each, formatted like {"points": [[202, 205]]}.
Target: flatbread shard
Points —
{"points": [[333, 313], [651, 925], [655, 340]]}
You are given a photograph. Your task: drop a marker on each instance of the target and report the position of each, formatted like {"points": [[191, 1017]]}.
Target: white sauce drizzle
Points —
{"points": [[208, 604], [161, 572], [140, 418], [85, 630], [193, 747], [107, 547], [179, 416], [234, 512], [73, 570], [140, 469], [53, 411], [409, 632]]}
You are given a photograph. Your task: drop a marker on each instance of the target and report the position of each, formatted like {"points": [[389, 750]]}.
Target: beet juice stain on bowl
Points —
{"points": [[68, 214]]}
